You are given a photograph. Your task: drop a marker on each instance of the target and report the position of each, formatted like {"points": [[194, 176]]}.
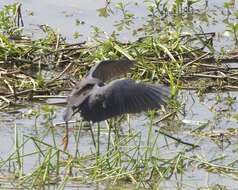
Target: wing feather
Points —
{"points": [[110, 69], [126, 96]]}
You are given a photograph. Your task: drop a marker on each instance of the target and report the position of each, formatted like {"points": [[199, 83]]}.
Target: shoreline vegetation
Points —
{"points": [[36, 70]]}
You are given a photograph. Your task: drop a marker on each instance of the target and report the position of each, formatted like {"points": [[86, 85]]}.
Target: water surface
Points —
{"points": [[218, 117]]}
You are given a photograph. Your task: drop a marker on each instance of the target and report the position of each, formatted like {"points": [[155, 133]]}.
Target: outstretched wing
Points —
{"points": [[110, 69], [124, 96]]}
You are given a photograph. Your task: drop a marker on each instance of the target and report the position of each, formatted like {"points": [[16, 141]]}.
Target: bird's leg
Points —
{"points": [[98, 142], [98, 138], [66, 136], [109, 142], [92, 134]]}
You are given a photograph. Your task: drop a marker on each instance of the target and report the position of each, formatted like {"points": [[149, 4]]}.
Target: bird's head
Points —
{"points": [[78, 95]]}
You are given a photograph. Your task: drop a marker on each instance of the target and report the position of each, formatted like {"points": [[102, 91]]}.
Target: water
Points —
{"points": [[62, 17]]}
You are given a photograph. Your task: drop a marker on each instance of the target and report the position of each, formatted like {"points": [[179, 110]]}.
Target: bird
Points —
{"points": [[102, 94]]}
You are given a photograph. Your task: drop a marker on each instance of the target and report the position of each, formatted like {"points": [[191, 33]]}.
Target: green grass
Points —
{"points": [[141, 157]]}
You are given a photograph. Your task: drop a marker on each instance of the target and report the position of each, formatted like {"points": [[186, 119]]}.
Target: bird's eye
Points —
{"points": [[101, 84]]}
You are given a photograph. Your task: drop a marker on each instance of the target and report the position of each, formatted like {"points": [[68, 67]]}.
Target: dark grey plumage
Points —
{"points": [[97, 101]]}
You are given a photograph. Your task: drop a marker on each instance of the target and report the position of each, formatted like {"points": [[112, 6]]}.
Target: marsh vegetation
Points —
{"points": [[189, 144]]}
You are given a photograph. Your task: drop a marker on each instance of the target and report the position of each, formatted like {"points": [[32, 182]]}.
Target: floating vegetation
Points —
{"points": [[170, 49]]}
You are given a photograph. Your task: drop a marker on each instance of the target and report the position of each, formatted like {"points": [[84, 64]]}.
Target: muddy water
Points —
{"points": [[217, 116]]}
